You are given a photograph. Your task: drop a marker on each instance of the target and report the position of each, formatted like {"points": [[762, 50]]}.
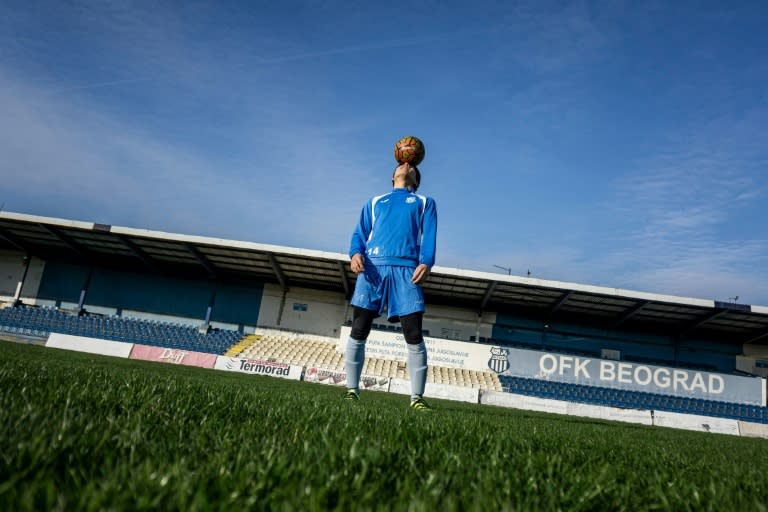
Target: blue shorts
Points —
{"points": [[390, 287]]}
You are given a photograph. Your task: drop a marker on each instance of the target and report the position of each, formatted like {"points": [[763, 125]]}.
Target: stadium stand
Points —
{"points": [[632, 399], [464, 378], [320, 351], [41, 321], [276, 345], [294, 348], [239, 347]]}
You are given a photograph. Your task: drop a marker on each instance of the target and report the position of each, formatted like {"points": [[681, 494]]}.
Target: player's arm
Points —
{"points": [[359, 237], [428, 242]]}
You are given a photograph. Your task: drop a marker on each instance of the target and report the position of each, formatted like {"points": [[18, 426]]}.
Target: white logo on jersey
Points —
{"points": [[409, 200]]}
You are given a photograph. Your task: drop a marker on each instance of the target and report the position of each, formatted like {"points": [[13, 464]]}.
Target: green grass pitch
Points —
{"points": [[84, 432]]}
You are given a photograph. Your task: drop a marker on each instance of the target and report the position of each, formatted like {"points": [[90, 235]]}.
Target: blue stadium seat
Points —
{"points": [[631, 399], [42, 321]]}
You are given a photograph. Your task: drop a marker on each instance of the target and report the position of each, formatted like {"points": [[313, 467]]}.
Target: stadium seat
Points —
{"points": [[44, 321]]}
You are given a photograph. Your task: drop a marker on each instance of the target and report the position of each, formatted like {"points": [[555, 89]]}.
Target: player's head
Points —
{"points": [[410, 174]]}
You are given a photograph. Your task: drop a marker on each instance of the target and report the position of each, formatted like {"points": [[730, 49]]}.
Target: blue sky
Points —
{"points": [[623, 144]]}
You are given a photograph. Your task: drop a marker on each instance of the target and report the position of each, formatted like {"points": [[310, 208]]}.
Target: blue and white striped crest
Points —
{"points": [[499, 361]]}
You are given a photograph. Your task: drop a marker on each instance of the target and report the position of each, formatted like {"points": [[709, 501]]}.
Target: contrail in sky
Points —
{"points": [[397, 43], [98, 85]]}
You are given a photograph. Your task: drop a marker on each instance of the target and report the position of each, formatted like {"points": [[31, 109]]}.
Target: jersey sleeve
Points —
{"points": [[429, 234], [362, 231]]}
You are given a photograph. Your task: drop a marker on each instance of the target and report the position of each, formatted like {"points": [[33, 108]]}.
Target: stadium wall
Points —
{"points": [[302, 309], [33, 278], [458, 323], [536, 334], [12, 265], [707, 354], [157, 294], [62, 282], [322, 312], [753, 365], [237, 304], [11, 272], [758, 352], [149, 296]]}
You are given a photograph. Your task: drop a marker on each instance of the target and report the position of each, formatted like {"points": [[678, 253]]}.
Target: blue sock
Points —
{"points": [[353, 362], [417, 368]]}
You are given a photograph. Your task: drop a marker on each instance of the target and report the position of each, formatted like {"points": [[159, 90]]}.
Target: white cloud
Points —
{"points": [[276, 172], [684, 231], [67, 158]]}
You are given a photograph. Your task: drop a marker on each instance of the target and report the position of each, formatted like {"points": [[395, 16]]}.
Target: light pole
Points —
{"points": [[508, 269]]}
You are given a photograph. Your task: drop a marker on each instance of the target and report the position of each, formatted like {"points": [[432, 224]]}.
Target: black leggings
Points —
{"points": [[362, 319]]}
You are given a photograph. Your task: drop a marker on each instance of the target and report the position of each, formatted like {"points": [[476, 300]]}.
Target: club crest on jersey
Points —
{"points": [[410, 200], [499, 361]]}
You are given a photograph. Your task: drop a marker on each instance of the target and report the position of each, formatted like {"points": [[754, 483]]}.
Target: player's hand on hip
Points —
{"points": [[420, 274], [358, 263]]}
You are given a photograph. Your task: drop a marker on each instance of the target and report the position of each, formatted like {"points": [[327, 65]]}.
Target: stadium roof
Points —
{"points": [[230, 260]]}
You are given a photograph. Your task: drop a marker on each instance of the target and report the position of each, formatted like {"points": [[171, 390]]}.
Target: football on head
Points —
{"points": [[410, 150]]}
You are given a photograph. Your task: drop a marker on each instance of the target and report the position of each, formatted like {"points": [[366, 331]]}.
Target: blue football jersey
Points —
{"points": [[398, 228]]}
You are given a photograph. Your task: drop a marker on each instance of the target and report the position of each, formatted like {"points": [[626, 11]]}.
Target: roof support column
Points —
{"points": [[488, 293], [562, 300], [67, 240], [206, 327], [278, 272], [20, 285], [760, 336], [14, 241], [200, 257], [717, 313], [84, 292], [281, 308], [140, 254], [630, 313]]}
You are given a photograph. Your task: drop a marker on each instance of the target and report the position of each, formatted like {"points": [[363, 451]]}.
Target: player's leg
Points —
{"points": [[417, 355], [366, 302], [354, 358], [406, 301]]}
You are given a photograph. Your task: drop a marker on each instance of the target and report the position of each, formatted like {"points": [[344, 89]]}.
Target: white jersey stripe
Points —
{"points": [[423, 200], [373, 214]]}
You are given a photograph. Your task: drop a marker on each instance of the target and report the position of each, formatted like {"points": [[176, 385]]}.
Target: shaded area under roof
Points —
{"points": [[199, 257]]}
